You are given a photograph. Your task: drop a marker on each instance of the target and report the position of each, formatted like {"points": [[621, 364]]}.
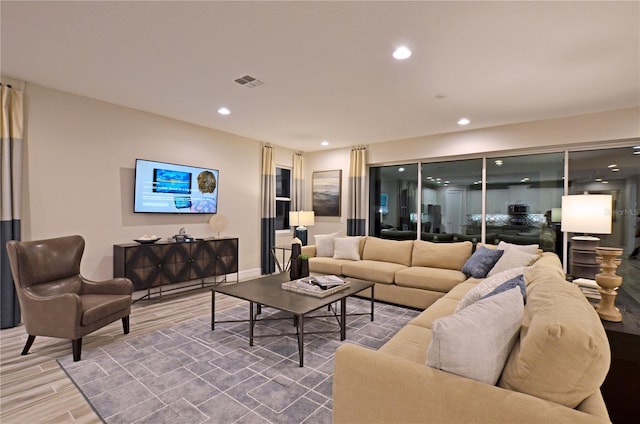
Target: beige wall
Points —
{"points": [[80, 158], [611, 128]]}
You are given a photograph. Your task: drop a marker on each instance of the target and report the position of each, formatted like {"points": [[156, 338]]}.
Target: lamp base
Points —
{"points": [[301, 233], [608, 282]]}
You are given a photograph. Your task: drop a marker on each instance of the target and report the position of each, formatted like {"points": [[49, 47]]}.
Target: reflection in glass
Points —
{"points": [[451, 198], [393, 194], [522, 193], [615, 172]]}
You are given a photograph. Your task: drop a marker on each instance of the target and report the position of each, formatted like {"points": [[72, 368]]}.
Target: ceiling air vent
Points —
{"points": [[249, 81]]}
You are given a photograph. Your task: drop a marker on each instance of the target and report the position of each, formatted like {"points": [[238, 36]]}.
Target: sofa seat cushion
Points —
{"points": [[459, 291], [394, 251], [410, 343], [440, 255], [563, 353], [440, 308], [324, 265], [98, 306], [376, 271], [436, 279]]}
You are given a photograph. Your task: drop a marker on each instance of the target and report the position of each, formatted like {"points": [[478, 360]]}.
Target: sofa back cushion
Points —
{"points": [[563, 353], [398, 252], [441, 255]]}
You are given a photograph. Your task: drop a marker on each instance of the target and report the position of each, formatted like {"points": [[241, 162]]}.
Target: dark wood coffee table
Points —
{"points": [[267, 291]]}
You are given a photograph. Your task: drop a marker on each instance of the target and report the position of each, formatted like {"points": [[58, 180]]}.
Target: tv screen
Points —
{"points": [[171, 188]]}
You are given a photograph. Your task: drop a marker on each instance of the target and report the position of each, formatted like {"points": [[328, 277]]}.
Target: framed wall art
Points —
{"points": [[326, 192]]}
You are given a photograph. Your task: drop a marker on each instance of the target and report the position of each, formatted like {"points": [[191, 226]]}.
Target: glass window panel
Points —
{"points": [[615, 172], [393, 201], [451, 199], [522, 193]]}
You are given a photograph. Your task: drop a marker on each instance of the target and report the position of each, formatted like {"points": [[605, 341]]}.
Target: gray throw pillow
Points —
{"points": [[517, 281], [481, 262]]}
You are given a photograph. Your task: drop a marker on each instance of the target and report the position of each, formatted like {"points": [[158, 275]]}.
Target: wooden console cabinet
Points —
{"points": [[167, 262]]}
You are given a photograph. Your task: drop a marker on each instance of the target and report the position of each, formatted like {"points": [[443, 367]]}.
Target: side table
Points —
{"points": [[621, 388]]}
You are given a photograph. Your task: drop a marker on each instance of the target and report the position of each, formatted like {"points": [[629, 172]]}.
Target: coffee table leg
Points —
{"points": [[301, 339], [372, 302], [251, 323], [213, 309], [343, 318]]}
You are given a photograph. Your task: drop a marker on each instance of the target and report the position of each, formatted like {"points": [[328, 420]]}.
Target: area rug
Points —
{"points": [[190, 374]]}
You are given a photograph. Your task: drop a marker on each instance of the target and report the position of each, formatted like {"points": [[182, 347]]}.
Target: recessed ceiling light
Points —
{"points": [[464, 121], [401, 169], [613, 165], [224, 111], [636, 147], [324, 143], [615, 169], [605, 182], [401, 53], [598, 179], [499, 162]]}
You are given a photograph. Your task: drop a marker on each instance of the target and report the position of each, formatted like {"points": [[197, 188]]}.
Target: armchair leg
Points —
{"points": [[27, 345], [125, 324], [76, 347]]}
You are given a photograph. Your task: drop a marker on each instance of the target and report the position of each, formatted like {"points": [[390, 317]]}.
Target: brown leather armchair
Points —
{"points": [[57, 301]]}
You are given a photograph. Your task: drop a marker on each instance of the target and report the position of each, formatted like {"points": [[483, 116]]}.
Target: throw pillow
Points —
{"points": [[487, 286], [529, 248], [324, 245], [476, 342], [346, 248], [512, 257], [481, 262], [508, 285]]}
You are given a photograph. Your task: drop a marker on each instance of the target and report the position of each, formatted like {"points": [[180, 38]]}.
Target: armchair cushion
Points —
{"points": [[98, 306]]}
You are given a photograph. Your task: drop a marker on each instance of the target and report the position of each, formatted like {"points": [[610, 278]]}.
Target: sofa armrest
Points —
{"points": [[309, 250], [374, 387], [117, 285]]}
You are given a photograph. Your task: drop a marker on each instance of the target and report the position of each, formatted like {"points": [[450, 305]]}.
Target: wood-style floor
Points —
{"points": [[34, 389]]}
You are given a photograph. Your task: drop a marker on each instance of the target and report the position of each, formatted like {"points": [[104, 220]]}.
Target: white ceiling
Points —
{"points": [[327, 67]]}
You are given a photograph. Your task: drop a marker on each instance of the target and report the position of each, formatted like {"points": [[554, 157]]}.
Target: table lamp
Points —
{"points": [[591, 214], [300, 219]]}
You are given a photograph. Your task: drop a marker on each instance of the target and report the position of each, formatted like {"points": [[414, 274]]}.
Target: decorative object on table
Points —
{"points": [[303, 263], [218, 223], [608, 281], [587, 214], [304, 286], [294, 268], [146, 239], [326, 192], [588, 287], [182, 236], [300, 219]]}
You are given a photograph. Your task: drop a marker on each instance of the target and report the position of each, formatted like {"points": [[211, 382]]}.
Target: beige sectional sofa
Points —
{"points": [[551, 372], [410, 273]]}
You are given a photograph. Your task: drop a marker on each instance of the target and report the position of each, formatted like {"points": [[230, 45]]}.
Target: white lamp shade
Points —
{"points": [[301, 218], [587, 213]]}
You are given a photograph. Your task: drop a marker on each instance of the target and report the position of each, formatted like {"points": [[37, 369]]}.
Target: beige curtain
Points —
{"points": [[357, 214], [11, 127], [268, 197], [297, 189]]}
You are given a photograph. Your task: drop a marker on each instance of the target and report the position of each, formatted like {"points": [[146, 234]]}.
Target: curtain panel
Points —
{"points": [[268, 221], [11, 127], [297, 191], [356, 217]]}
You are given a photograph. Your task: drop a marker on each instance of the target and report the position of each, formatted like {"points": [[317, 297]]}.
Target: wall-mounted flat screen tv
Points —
{"points": [[171, 188]]}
